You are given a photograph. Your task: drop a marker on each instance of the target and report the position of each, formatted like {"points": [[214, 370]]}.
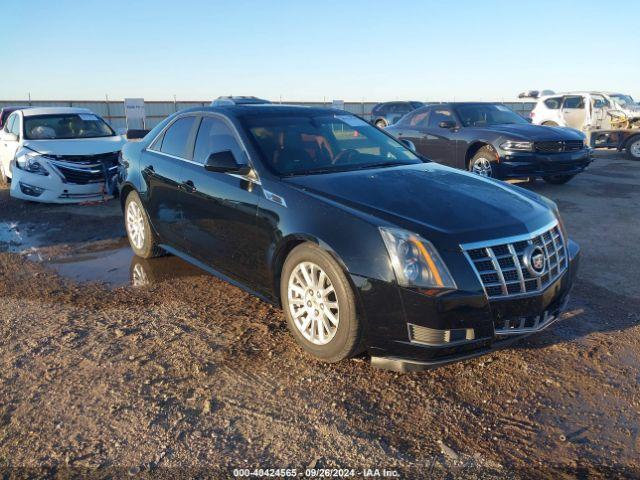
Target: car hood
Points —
{"points": [[76, 146], [527, 131], [447, 206]]}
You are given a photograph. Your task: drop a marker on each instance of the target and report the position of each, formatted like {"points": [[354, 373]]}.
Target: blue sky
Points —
{"points": [[303, 50]]}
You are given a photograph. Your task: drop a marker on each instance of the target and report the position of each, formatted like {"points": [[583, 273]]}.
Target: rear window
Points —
{"points": [[553, 103]]}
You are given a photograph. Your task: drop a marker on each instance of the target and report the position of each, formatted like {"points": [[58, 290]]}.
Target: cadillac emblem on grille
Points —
{"points": [[534, 260]]}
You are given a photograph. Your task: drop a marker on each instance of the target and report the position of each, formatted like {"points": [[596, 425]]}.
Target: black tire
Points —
{"points": [[380, 123], [550, 124], [483, 157], [149, 247], [558, 179], [633, 148], [347, 339]]}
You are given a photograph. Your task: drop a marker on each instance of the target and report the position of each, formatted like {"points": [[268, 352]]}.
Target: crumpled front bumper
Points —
{"points": [[53, 189]]}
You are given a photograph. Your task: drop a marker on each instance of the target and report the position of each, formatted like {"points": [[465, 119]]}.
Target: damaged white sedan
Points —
{"points": [[59, 155]]}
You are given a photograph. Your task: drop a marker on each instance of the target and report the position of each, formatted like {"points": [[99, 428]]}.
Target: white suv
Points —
{"points": [[587, 110], [58, 155]]}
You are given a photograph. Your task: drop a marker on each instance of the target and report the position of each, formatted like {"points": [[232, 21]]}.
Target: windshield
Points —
{"points": [[297, 145], [482, 115], [624, 100], [65, 126]]}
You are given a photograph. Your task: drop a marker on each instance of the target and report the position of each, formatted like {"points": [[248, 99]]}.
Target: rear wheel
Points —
{"points": [[141, 236], [550, 124], [558, 179], [482, 162], [319, 304], [633, 148]]}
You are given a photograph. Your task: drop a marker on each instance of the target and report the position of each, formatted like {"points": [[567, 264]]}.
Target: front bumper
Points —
{"points": [[53, 189], [470, 324], [533, 164]]}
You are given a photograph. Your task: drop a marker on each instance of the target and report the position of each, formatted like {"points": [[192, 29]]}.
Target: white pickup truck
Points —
{"points": [[609, 120]]}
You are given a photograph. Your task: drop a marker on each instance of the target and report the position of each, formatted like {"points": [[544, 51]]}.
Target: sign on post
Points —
{"points": [[134, 113]]}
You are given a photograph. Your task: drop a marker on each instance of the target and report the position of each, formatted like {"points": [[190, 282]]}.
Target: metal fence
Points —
{"points": [[113, 111]]}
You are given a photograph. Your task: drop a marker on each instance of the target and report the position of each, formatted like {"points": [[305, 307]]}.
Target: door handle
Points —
{"points": [[188, 186]]}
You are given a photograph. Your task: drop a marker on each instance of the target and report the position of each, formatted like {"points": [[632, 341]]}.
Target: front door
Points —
{"points": [[574, 113], [220, 209], [162, 166]]}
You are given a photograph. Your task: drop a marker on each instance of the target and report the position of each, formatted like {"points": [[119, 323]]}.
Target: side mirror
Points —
{"points": [[225, 162], [409, 144], [136, 134], [448, 124]]}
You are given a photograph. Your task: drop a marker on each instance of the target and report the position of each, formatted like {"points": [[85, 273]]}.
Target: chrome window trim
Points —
{"points": [[233, 129]]}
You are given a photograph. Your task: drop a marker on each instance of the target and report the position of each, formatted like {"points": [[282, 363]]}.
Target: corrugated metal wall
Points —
{"points": [[113, 111]]}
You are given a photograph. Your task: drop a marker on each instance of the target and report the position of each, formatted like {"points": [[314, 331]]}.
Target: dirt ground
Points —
{"points": [[115, 367]]}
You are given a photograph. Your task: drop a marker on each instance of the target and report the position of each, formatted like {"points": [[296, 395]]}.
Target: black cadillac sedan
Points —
{"points": [[493, 141], [366, 246]]}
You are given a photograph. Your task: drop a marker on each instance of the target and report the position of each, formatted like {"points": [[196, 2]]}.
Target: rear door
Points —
{"points": [[574, 113], [439, 144], [162, 166]]}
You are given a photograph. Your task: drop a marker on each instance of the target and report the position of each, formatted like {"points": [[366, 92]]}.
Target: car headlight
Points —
{"points": [[31, 162], [517, 146], [415, 260], [556, 211]]}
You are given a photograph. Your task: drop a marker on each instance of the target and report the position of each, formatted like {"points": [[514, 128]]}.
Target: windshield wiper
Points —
{"points": [[380, 165]]}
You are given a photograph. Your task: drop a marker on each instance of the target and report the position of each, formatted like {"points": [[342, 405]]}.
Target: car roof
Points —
{"points": [[267, 109], [580, 92], [30, 112], [461, 104]]}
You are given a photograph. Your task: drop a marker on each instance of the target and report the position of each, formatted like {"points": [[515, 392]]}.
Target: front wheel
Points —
{"points": [[550, 124], [558, 179], [319, 304], [482, 163], [141, 236], [633, 148], [381, 123]]}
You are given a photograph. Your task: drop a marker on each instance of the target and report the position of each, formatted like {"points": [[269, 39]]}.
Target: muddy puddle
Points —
{"points": [[114, 264], [23, 237]]}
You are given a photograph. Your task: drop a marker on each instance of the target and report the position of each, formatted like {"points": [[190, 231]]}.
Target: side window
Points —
{"points": [[403, 108], [553, 103], [9, 124], [417, 119], [573, 102], [600, 102], [15, 128], [439, 115], [178, 139], [214, 135]]}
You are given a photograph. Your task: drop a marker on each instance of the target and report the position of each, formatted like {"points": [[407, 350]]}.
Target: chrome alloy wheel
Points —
{"points": [[482, 167], [313, 303], [135, 225], [635, 149]]}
